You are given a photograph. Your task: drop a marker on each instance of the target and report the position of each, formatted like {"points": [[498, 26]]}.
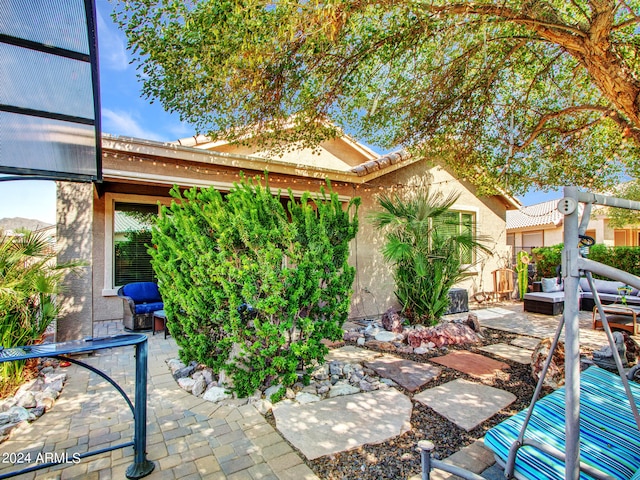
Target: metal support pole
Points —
{"points": [[569, 207], [140, 466], [426, 447]]}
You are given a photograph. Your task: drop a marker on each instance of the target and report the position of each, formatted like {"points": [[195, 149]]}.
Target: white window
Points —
{"points": [[128, 223], [132, 224]]}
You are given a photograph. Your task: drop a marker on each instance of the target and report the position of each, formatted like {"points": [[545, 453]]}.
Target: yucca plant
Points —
{"points": [[29, 282], [429, 248]]}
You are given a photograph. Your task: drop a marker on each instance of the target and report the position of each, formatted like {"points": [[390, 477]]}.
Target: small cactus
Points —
{"points": [[522, 268]]}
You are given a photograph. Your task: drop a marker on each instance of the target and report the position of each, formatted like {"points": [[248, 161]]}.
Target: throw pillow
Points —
{"points": [[551, 285]]}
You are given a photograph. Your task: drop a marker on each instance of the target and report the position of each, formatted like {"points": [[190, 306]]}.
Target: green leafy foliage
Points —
{"points": [[427, 250], [29, 282], [547, 260], [250, 287], [621, 217], [508, 93], [623, 258]]}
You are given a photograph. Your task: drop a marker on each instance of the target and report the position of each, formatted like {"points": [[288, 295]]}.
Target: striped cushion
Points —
{"points": [[609, 437]]}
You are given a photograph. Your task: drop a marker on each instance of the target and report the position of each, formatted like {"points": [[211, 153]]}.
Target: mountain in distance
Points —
{"points": [[16, 223]]}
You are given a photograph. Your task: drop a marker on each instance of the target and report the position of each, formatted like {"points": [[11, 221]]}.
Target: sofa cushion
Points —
{"points": [[602, 286], [148, 307], [142, 292], [551, 285], [608, 434], [604, 297], [547, 297]]}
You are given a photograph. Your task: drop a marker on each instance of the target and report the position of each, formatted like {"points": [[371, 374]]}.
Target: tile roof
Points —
{"points": [[380, 163], [545, 213]]}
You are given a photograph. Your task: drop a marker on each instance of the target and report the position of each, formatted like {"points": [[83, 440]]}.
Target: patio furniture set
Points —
{"points": [[619, 300]]}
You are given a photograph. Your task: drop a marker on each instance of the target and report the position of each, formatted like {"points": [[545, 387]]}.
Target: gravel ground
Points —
{"points": [[398, 458]]}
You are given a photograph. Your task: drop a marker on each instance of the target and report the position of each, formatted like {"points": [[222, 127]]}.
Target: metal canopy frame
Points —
{"points": [[62, 150], [141, 466], [574, 265]]}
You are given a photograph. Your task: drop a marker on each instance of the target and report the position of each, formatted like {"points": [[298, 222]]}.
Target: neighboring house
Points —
{"points": [[107, 224], [542, 225]]}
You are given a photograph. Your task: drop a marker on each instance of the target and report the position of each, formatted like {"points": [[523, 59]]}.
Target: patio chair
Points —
{"points": [[140, 299], [503, 283]]}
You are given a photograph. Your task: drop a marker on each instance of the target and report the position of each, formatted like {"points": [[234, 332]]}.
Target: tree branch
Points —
{"points": [[632, 21], [503, 12], [551, 115]]}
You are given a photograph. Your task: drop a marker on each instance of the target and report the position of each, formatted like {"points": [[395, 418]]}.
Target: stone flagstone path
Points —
{"points": [[471, 363], [510, 352], [465, 403], [529, 343], [351, 354], [406, 373], [343, 423]]}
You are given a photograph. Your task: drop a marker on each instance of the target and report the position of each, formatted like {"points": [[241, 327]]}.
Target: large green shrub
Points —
{"points": [[427, 247], [250, 287], [547, 260], [29, 282], [623, 258]]}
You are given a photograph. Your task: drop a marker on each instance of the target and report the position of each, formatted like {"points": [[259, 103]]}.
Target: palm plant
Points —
{"points": [[429, 248], [29, 282]]}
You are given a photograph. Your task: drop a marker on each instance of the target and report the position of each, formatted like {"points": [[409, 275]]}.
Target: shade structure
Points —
{"points": [[49, 90]]}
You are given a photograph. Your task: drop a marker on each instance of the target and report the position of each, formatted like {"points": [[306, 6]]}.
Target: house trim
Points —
{"points": [[188, 182]]}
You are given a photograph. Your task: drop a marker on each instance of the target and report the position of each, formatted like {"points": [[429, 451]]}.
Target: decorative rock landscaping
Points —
{"points": [[391, 335], [332, 379], [32, 399]]}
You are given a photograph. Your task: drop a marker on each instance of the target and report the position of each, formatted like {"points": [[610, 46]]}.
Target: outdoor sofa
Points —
{"points": [[551, 300], [609, 438], [141, 300]]}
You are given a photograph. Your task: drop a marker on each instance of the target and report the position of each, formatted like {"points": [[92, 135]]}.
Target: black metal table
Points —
{"points": [[141, 466]]}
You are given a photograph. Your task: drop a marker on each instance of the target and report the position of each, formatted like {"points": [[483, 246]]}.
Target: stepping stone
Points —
{"points": [[529, 343], [471, 363], [465, 403], [406, 373], [492, 313], [351, 354], [510, 352], [344, 423]]}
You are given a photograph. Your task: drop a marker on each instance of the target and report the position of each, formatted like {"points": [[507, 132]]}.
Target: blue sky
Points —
{"points": [[124, 112]]}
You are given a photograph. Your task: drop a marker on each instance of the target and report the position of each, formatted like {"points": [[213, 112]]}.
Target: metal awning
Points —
{"points": [[49, 90]]}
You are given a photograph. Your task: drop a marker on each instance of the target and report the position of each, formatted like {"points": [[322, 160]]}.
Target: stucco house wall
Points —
{"points": [[375, 275], [141, 171]]}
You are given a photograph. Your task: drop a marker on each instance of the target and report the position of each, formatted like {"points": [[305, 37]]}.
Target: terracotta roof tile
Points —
{"points": [[545, 213], [380, 163]]}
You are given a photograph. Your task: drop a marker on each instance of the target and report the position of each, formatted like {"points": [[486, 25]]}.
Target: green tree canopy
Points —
{"points": [[509, 93], [621, 217]]}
